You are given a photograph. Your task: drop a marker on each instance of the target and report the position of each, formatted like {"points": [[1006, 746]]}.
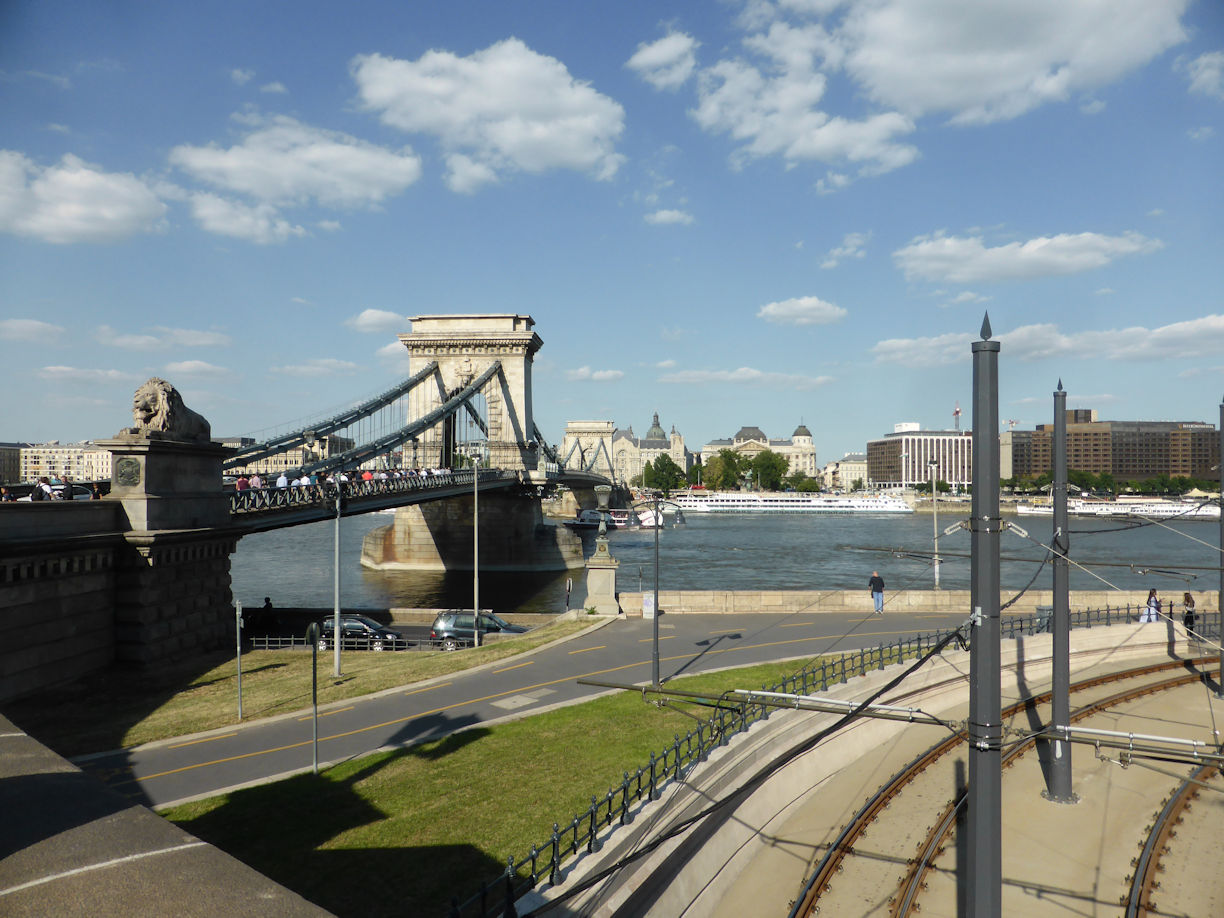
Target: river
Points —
{"points": [[736, 552]]}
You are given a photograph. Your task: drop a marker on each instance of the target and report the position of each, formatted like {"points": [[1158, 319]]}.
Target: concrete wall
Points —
{"points": [[859, 601]]}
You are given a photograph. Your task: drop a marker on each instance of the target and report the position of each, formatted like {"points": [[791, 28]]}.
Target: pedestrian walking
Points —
{"points": [[1151, 612], [1188, 612], [876, 585]]}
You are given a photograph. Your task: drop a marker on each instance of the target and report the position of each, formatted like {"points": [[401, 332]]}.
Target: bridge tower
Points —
{"points": [[464, 346]]}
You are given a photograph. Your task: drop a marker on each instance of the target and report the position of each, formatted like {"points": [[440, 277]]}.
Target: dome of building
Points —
{"points": [[656, 432], [801, 431]]}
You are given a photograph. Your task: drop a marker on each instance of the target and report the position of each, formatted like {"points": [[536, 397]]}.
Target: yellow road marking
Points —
{"points": [[589, 649], [798, 625], [207, 739], [428, 688], [662, 637], [516, 666], [330, 713], [728, 631]]}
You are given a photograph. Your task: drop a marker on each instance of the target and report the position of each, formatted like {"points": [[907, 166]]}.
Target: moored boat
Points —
{"points": [[788, 502], [1129, 508]]}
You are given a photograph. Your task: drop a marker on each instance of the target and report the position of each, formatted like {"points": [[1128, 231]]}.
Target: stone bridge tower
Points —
{"points": [[464, 347]]}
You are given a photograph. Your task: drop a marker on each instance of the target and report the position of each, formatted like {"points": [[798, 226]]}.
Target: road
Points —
{"points": [[171, 771]]}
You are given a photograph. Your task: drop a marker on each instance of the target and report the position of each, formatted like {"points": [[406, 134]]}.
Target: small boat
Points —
{"points": [[616, 519]]}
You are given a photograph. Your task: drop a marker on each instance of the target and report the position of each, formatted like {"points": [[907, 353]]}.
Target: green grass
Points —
{"points": [[123, 707], [401, 833]]}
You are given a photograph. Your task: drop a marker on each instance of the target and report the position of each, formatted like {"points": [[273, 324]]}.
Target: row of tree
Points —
{"points": [[766, 471], [1105, 483]]}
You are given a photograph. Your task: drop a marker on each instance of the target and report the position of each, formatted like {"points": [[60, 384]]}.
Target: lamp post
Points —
{"points": [[475, 548], [935, 518], [654, 659], [337, 634]]}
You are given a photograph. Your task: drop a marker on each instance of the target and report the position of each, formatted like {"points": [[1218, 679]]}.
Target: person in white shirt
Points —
{"points": [[282, 481]]}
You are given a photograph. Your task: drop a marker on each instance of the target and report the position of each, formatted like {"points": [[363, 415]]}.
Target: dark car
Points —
{"points": [[452, 630], [359, 633]]}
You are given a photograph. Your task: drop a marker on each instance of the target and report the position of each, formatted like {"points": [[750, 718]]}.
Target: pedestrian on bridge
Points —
{"points": [[876, 585], [1188, 612]]}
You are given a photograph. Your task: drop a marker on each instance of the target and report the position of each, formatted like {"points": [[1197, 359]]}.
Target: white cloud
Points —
{"points": [[378, 320], [586, 373], [395, 356], [851, 247], [74, 201], [746, 376], [197, 368], [1201, 133], [261, 223], [503, 109], [28, 330], [283, 161], [832, 182], [1195, 338], [966, 296], [1092, 107], [665, 364], [160, 337], [966, 260], [804, 310], [320, 366], [1206, 74], [667, 63], [241, 77], [985, 62], [665, 217], [275, 87], [80, 375]]}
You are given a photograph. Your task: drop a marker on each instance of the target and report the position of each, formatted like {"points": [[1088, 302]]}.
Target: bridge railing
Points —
{"points": [[546, 863], [259, 500]]}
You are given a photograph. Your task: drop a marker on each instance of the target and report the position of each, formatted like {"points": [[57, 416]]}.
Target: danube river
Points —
{"points": [[737, 552]]}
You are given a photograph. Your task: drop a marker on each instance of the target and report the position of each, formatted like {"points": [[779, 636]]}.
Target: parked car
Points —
{"points": [[79, 492], [359, 633], [452, 630]]}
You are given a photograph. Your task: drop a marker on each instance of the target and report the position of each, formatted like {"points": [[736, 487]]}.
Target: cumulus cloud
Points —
{"points": [[81, 375], [197, 368], [984, 62], [73, 201], [259, 223], [967, 260], [803, 310], [1201, 133], [667, 63], [283, 161], [395, 355], [1206, 74], [965, 296], [378, 320], [320, 366], [746, 376], [242, 77], [501, 110], [275, 87], [160, 337], [1194, 338], [851, 247], [586, 373], [665, 217], [28, 330]]}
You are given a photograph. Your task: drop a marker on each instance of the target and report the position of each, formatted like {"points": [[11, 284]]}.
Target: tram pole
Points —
{"points": [[984, 876], [1220, 594], [1060, 708]]}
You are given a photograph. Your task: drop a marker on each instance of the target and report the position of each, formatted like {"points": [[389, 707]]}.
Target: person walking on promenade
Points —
{"points": [[876, 585], [1151, 612], [1188, 612]]}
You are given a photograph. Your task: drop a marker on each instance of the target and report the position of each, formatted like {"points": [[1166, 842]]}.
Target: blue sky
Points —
{"points": [[732, 213]]}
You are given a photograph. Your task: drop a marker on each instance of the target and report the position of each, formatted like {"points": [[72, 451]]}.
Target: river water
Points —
{"points": [[736, 552]]}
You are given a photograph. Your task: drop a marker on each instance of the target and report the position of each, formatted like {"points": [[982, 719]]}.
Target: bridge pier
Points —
{"points": [[437, 536]]}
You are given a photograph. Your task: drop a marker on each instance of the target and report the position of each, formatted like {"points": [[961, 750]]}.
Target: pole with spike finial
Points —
{"points": [[1059, 789]]}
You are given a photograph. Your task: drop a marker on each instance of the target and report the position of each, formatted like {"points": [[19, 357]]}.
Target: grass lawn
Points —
{"points": [[400, 833], [124, 707]]}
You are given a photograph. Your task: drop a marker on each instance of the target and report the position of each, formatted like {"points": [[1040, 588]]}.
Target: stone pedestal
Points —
{"points": [[601, 580], [165, 482]]}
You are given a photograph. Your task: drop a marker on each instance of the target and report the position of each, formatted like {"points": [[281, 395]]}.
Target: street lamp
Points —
{"points": [[337, 634], [475, 548], [654, 660], [935, 518]]}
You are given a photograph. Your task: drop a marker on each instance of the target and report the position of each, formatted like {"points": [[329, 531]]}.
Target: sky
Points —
{"points": [[732, 213]]}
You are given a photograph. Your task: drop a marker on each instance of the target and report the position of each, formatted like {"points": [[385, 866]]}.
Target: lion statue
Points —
{"points": [[158, 406]]}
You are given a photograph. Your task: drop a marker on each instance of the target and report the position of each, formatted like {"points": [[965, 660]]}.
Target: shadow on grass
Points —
{"points": [[313, 835]]}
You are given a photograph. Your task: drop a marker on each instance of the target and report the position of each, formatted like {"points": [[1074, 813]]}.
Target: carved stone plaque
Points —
{"points": [[127, 471]]}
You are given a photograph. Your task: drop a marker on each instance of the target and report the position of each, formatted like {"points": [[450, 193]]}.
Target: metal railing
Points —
{"points": [[258, 500], [581, 836], [297, 642]]}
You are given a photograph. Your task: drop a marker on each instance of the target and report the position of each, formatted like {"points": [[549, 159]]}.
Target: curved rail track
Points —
{"points": [[905, 901]]}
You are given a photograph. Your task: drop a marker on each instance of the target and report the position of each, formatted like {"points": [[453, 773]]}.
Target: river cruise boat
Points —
{"points": [[787, 502], [617, 519], [1128, 508]]}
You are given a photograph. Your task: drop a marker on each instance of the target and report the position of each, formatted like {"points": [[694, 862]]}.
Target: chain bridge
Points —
{"points": [[142, 576]]}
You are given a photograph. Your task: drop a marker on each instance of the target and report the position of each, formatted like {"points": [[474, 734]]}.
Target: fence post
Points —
{"points": [[676, 752], [591, 836], [652, 777], [624, 814], [556, 855]]}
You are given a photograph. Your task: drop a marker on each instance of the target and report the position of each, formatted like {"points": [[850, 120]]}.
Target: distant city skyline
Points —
{"points": [[765, 212]]}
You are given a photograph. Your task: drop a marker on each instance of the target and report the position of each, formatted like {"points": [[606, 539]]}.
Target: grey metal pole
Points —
{"points": [[1060, 707], [312, 635], [654, 659], [337, 634], [475, 551], [935, 521], [238, 639], [1220, 559], [984, 877]]}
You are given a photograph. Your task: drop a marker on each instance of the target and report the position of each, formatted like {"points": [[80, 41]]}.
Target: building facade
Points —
{"points": [[841, 474], [905, 457], [749, 442], [79, 461], [630, 454], [1127, 450]]}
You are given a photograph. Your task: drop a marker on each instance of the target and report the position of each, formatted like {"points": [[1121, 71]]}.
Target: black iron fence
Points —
{"points": [[258, 500], [582, 834], [297, 642]]}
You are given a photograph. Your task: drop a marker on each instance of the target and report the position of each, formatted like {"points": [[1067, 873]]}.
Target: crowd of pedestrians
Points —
{"points": [[304, 487]]}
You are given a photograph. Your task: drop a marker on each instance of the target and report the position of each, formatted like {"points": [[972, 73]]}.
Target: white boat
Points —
{"points": [[788, 502], [617, 519], [1129, 508]]}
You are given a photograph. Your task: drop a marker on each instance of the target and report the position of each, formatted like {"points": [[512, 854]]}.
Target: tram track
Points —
{"points": [[925, 784]]}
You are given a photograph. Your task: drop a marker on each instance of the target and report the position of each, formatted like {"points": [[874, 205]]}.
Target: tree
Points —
{"points": [[712, 471], [856, 485], [694, 474], [731, 468], [801, 481], [663, 474], [768, 468]]}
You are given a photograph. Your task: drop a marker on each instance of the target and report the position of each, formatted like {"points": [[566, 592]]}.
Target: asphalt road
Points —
{"points": [[175, 770]]}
